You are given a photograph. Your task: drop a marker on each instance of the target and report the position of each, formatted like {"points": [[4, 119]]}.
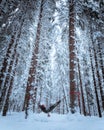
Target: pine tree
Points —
{"points": [[72, 56], [32, 71]]}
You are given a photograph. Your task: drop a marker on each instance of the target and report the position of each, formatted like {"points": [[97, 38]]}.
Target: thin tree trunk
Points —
{"points": [[82, 95], [9, 67], [6, 106], [5, 63], [10, 78], [65, 100], [96, 75], [95, 87]]}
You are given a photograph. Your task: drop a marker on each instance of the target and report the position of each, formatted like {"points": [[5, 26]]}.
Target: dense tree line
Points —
{"points": [[50, 49]]}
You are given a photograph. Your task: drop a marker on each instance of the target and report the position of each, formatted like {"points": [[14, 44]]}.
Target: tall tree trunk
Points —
{"points": [[32, 71], [72, 56]]}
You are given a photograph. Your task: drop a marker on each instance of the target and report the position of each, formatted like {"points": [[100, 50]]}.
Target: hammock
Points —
{"points": [[43, 108]]}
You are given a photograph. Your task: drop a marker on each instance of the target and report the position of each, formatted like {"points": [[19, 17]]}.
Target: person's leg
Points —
{"points": [[53, 106]]}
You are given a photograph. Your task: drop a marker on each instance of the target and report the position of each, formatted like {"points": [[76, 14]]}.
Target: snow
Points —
{"points": [[52, 57], [16, 121], [78, 31]]}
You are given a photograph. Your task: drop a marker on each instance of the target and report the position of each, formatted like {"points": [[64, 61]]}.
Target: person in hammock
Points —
{"points": [[47, 110]]}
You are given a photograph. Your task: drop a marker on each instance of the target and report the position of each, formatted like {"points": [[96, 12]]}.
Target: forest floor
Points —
{"points": [[16, 121]]}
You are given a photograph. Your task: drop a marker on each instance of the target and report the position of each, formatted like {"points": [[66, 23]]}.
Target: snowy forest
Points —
{"points": [[52, 50]]}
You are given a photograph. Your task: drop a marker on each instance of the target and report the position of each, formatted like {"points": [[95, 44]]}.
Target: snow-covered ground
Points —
{"points": [[16, 121]]}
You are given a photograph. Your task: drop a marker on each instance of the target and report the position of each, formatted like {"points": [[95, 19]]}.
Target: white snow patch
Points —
{"points": [[52, 57], [78, 31], [16, 121]]}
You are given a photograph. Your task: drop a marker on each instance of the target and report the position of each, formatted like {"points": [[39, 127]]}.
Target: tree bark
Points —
{"points": [[72, 56], [32, 70]]}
